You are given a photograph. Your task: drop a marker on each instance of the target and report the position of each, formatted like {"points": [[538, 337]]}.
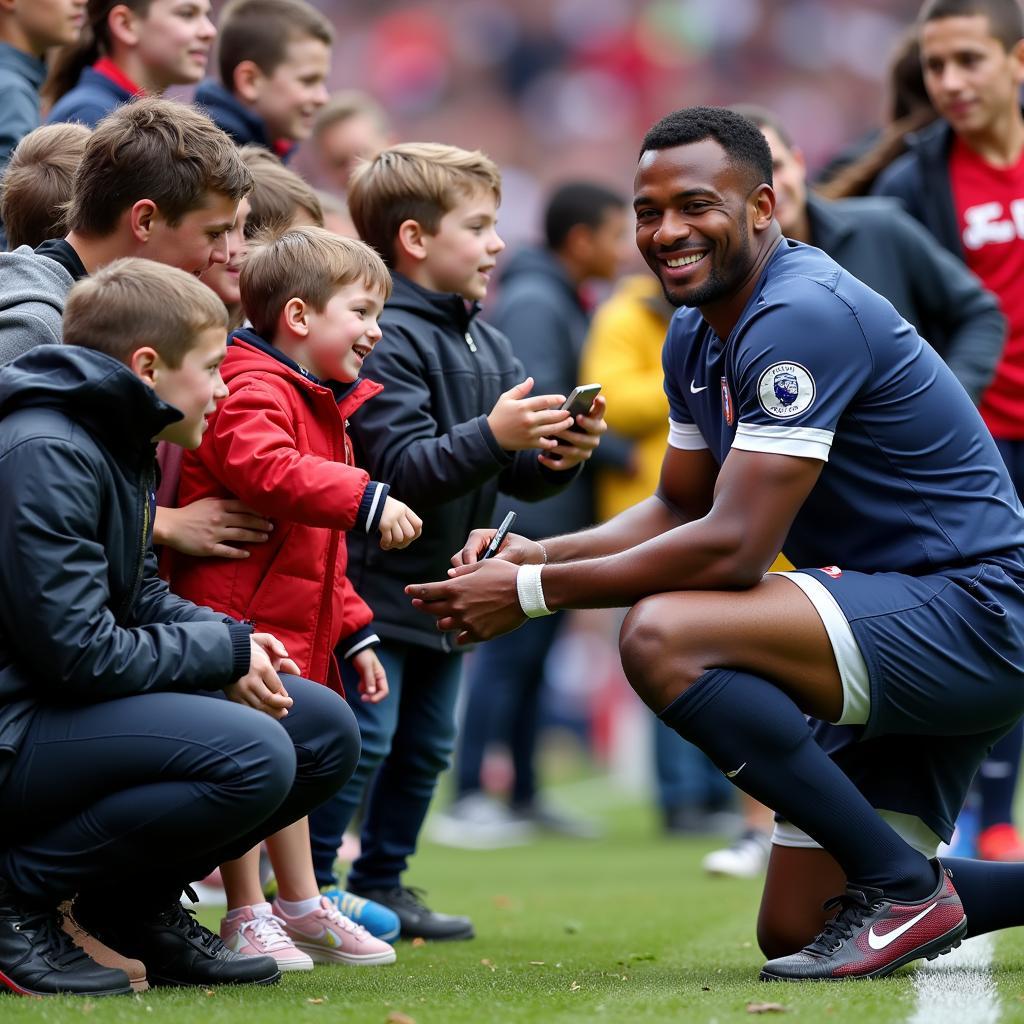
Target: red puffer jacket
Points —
{"points": [[278, 443]]}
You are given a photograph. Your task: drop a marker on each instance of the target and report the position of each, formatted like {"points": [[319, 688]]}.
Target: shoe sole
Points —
{"points": [[20, 990], [462, 936], [319, 955], [929, 951]]}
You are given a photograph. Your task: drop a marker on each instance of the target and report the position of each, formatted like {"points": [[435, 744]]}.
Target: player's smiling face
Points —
{"points": [[694, 214]]}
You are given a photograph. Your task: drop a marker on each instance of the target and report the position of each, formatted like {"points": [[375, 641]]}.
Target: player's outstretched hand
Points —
{"points": [[399, 525], [479, 602], [261, 687], [519, 422], [576, 446], [373, 680], [516, 549], [210, 528]]}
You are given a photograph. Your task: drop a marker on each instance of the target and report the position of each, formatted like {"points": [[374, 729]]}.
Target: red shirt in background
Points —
{"points": [[990, 211]]}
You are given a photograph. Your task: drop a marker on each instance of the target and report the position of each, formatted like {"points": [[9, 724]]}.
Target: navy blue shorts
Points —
{"points": [[945, 660]]}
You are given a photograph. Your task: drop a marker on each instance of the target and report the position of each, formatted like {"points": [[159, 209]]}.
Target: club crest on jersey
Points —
{"points": [[727, 412], [785, 390]]}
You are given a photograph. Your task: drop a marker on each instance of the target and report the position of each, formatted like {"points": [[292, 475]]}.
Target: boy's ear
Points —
{"points": [[141, 218], [122, 23], [410, 240], [295, 317], [146, 364], [247, 81]]}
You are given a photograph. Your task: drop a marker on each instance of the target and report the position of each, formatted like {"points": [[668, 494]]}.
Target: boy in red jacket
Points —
{"points": [[278, 443]]}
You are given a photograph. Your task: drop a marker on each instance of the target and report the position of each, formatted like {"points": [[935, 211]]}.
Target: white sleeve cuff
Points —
{"points": [[806, 442], [686, 436], [531, 592]]}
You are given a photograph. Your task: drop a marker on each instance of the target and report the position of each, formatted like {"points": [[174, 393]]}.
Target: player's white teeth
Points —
{"points": [[686, 261]]}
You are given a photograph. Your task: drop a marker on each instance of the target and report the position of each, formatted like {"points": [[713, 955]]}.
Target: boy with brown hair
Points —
{"points": [[36, 187], [273, 57], [278, 443], [97, 654], [280, 198], [454, 424]]}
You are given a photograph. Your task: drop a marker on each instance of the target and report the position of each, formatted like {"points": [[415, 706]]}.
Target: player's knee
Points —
{"points": [[654, 655]]}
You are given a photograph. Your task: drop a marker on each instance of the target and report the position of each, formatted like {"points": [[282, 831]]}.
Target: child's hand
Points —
{"points": [[373, 680], [518, 422], [577, 445], [399, 525], [210, 527], [261, 687]]}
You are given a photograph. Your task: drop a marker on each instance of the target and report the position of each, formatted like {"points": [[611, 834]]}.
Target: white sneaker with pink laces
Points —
{"points": [[331, 938], [255, 931]]}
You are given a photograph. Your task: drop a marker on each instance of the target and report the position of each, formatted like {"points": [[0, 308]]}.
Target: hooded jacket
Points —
{"points": [[84, 617], [232, 116], [278, 443], [91, 98], [33, 290], [427, 434]]}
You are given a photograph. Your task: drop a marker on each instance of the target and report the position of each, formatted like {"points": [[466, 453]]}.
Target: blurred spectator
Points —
{"points": [[36, 188], [280, 199], [273, 57], [541, 309], [336, 215], [28, 28], [128, 47], [351, 126], [623, 351], [963, 178]]}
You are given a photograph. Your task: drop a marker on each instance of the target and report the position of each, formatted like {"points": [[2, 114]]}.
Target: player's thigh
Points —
{"points": [[797, 884], [772, 629]]}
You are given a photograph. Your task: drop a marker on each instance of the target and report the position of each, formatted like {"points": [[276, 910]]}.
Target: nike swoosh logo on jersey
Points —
{"points": [[694, 390], [734, 773], [881, 941]]}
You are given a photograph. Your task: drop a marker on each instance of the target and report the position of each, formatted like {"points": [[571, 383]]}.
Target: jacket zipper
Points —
{"points": [[470, 342]]}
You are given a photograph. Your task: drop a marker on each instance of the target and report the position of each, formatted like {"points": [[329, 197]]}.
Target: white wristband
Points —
{"points": [[530, 591]]}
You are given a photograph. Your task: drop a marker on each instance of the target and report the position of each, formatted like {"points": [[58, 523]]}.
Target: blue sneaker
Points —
{"points": [[377, 919]]}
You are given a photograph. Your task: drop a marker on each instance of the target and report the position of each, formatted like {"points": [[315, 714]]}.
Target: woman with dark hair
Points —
{"points": [[128, 47]]}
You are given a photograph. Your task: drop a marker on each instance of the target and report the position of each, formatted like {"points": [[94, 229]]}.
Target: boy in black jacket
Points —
{"points": [[454, 425], [109, 681]]}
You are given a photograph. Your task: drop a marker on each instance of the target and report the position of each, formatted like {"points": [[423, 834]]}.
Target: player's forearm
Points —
{"points": [[648, 519], [697, 556]]}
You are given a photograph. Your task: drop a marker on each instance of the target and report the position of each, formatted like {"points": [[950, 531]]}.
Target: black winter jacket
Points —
{"points": [[426, 434], [84, 617], [889, 251]]}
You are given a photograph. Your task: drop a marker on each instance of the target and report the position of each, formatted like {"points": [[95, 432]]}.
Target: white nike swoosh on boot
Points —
{"points": [[881, 941]]}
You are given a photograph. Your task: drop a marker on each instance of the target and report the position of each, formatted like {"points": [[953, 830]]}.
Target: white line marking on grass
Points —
{"points": [[958, 987]]}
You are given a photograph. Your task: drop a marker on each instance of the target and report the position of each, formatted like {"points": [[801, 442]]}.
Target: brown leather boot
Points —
{"points": [[103, 955]]}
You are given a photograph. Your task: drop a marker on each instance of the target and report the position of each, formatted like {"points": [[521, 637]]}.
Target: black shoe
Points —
{"points": [[418, 921], [177, 950], [37, 958]]}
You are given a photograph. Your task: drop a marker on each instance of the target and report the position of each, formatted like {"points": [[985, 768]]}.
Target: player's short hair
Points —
{"points": [[739, 137], [134, 303], [420, 181], [1005, 19], [764, 118], [348, 104], [154, 149], [278, 194], [36, 186], [261, 30], [577, 202], [305, 263]]}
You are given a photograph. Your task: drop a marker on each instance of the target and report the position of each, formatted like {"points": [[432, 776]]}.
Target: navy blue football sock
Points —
{"points": [[761, 740], [992, 893], [997, 779]]}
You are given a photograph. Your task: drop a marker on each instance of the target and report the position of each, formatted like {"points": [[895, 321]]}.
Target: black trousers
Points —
{"points": [[148, 793]]}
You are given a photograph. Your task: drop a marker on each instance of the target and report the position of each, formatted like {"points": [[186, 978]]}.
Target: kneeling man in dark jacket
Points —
{"points": [[143, 739]]}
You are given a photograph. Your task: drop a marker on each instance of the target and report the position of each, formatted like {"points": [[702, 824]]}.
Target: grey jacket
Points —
{"points": [[892, 253], [33, 289]]}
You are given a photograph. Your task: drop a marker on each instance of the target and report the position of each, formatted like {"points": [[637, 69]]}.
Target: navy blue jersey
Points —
{"points": [[820, 366]]}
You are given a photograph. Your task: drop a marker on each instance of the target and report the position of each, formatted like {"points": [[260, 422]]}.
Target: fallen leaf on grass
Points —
{"points": [[418, 941], [316, 1002], [397, 1017], [488, 963], [503, 902], [575, 987], [208, 992], [765, 1008], [536, 963]]}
